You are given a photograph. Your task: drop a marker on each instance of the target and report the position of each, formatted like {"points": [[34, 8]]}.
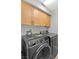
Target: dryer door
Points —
{"points": [[43, 52]]}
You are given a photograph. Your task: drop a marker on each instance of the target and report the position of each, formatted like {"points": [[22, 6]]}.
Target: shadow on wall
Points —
{"points": [[54, 22]]}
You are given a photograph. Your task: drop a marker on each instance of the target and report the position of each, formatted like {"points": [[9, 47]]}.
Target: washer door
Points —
{"points": [[43, 52]]}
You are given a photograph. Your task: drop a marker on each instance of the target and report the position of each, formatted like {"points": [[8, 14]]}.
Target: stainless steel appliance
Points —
{"points": [[53, 42], [36, 46]]}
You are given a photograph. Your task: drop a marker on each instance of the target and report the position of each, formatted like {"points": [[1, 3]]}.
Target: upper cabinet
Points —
{"points": [[26, 11], [36, 18], [40, 18], [33, 16]]}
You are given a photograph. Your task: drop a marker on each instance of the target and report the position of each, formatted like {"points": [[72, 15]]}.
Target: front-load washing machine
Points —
{"points": [[36, 46]]}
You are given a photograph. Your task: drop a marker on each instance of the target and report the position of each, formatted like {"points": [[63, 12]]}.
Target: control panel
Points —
{"points": [[38, 41]]}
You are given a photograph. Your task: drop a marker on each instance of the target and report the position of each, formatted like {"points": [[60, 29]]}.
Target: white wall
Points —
{"points": [[35, 29], [54, 22]]}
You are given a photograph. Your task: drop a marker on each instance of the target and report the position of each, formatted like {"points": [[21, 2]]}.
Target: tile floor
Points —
{"points": [[56, 57]]}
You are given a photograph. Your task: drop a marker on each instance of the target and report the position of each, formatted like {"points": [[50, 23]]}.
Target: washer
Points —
{"points": [[35, 46]]}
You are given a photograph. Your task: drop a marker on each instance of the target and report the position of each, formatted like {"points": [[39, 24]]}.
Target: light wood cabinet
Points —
{"points": [[40, 18], [26, 10], [33, 16], [36, 18], [46, 19]]}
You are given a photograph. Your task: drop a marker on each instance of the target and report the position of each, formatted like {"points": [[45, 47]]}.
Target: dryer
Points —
{"points": [[53, 42]]}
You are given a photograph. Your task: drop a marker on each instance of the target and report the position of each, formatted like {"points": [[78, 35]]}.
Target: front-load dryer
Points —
{"points": [[53, 42]]}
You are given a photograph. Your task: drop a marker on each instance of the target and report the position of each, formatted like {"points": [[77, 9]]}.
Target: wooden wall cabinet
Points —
{"points": [[36, 18], [33, 16], [26, 10], [40, 18]]}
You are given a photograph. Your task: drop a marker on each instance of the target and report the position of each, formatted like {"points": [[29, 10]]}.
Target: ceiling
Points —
{"points": [[46, 5], [50, 4]]}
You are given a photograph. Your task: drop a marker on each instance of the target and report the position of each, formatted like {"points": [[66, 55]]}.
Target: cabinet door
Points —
{"points": [[45, 19], [25, 13], [36, 17], [40, 18]]}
